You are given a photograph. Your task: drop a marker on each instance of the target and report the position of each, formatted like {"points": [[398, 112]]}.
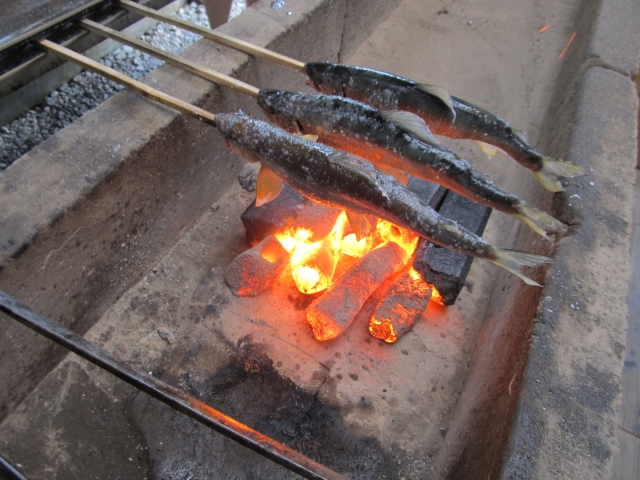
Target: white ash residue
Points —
{"points": [[87, 90]]}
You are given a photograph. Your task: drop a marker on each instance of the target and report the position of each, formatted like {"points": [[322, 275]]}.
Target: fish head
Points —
{"points": [[279, 107], [326, 77], [236, 129]]}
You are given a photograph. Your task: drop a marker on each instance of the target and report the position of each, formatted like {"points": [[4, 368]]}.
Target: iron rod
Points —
{"points": [[164, 392], [130, 83], [188, 65], [217, 37], [8, 471]]}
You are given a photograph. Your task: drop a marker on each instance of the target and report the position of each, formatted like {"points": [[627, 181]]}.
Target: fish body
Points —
{"points": [[364, 131], [338, 179], [444, 114]]}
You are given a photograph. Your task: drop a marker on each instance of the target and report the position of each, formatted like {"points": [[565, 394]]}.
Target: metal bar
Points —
{"points": [[130, 83], [8, 471], [217, 37], [164, 392], [188, 65]]}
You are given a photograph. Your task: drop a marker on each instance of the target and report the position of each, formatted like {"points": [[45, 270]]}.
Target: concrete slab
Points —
{"points": [[615, 42], [571, 394], [89, 210]]}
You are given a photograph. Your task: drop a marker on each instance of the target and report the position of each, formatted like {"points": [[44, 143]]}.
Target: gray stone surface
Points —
{"points": [[91, 208], [615, 41], [565, 424]]}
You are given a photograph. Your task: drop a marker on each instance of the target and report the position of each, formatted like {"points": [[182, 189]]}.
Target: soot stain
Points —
{"points": [[249, 388]]}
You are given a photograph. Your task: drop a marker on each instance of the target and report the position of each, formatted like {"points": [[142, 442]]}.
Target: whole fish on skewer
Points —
{"points": [[445, 115], [338, 179], [396, 142]]}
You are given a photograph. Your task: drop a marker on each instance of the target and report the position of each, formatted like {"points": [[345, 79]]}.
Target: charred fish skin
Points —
{"points": [[361, 130], [309, 168], [458, 119], [337, 179]]}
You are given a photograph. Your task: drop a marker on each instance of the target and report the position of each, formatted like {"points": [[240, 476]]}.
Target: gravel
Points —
{"points": [[87, 90]]}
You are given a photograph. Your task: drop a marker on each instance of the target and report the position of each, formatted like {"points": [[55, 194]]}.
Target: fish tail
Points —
{"points": [[513, 260], [539, 221], [552, 169]]}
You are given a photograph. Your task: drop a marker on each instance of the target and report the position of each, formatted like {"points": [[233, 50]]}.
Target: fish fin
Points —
{"points": [[268, 186], [439, 93], [513, 260], [362, 224], [412, 123], [308, 136], [400, 175], [539, 221], [489, 150], [549, 181], [452, 229], [552, 169], [521, 135], [560, 168]]}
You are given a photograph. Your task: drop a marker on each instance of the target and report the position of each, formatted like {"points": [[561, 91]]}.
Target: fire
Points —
{"points": [[313, 264], [388, 232]]}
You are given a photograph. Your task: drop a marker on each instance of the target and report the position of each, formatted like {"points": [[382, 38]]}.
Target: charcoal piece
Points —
{"points": [[332, 313], [273, 216], [403, 303], [256, 270], [443, 268], [429, 192]]}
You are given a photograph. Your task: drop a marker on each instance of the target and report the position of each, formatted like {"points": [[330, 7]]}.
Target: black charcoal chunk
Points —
{"points": [[273, 216], [429, 192], [445, 269]]}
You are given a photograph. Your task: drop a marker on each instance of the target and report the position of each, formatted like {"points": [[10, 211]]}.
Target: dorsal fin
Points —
{"points": [[439, 93], [400, 175], [346, 161], [413, 124], [268, 186], [489, 150], [521, 135], [362, 224]]}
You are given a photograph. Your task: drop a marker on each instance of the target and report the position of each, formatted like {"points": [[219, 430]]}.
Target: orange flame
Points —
{"points": [[388, 232], [313, 264]]}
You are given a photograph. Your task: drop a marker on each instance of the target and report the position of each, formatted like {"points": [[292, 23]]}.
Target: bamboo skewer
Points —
{"points": [[130, 83], [179, 62], [217, 37]]}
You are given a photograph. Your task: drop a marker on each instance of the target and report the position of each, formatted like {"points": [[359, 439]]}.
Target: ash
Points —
{"points": [[87, 90]]}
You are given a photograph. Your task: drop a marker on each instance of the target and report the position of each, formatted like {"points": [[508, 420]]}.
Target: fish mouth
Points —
{"points": [[311, 83]]}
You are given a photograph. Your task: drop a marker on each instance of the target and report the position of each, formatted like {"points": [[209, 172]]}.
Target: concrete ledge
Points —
{"points": [[616, 37], [565, 425], [95, 206]]}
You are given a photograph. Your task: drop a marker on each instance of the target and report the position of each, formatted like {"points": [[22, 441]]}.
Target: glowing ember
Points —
{"points": [[388, 232], [332, 313], [405, 301], [355, 248], [313, 264]]}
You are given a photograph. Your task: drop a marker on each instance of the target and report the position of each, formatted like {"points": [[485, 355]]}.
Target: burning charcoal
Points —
{"points": [[331, 314], [288, 210], [254, 271], [443, 268], [404, 302]]}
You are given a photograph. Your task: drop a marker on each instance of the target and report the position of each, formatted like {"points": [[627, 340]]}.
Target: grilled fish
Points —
{"points": [[445, 115], [337, 179], [396, 142]]}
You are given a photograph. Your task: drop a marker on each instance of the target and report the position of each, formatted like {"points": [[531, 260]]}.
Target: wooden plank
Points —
{"points": [[630, 412], [627, 465]]}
